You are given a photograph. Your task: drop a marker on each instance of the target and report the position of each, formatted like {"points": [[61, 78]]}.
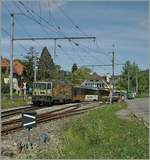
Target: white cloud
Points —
{"points": [[52, 4]]}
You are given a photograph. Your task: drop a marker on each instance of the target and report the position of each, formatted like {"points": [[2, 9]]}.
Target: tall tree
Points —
{"points": [[74, 67], [29, 65], [47, 69]]}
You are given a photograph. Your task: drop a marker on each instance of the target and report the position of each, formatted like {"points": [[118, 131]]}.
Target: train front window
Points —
{"points": [[40, 86], [49, 86], [43, 86]]}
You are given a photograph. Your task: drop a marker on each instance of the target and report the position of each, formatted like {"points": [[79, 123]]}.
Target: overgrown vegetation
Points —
{"points": [[132, 71], [17, 101], [101, 134]]}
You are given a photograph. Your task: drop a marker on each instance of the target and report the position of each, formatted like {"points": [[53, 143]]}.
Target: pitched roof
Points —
{"points": [[95, 76], [18, 67]]}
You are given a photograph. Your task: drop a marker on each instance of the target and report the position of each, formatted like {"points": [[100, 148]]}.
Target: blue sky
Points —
{"points": [[124, 24]]}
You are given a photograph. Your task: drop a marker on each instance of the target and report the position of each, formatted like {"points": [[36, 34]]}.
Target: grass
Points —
{"points": [[144, 95], [17, 101], [102, 135]]}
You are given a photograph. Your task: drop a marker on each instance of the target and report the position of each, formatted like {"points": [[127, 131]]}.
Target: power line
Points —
{"points": [[21, 27], [76, 26], [46, 28], [19, 43], [32, 12]]}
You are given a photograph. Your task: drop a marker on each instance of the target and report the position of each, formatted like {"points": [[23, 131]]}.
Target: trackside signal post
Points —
{"points": [[29, 120]]}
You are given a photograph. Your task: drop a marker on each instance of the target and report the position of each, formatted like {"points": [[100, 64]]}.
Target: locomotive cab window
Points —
{"points": [[49, 86]]}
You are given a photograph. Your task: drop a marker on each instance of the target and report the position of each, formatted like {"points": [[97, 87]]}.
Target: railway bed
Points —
{"points": [[7, 113], [67, 111]]}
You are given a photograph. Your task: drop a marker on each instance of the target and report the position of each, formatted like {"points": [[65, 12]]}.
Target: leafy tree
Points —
{"points": [[129, 69], [143, 81], [4, 87], [79, 76], [132, 70], [47, 69], [74, 67]]}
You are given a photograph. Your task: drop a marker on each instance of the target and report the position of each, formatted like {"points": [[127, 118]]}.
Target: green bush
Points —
{"points": [[5, 88]]}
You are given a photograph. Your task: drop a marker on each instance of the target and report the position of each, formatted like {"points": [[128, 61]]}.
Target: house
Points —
{"points": [[18, 67], [5, 65], [18, 72], [97, 81]]}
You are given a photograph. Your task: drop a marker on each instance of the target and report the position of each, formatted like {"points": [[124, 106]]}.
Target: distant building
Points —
{"points": [[5, 65], [96, 81], [18, 67], [19, 72]]}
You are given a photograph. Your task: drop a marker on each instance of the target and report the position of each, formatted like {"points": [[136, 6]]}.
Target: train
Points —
{"points": [[57, 92]]}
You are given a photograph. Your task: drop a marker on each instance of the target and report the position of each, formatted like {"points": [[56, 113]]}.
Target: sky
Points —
{"points": [[122, 24]]}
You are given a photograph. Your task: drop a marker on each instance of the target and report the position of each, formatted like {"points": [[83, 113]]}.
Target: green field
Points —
{"points": [[15, 102], [101, 134]]}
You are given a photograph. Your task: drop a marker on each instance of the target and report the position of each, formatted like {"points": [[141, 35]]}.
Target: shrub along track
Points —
{"points": [[16, 124]]}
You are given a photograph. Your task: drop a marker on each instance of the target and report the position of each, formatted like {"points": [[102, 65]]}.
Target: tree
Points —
{"points": [[47, 69], [132, 71], [4, 87], [143, 81], [79, 76], [129, 71], [74, 67], [29, 65]]}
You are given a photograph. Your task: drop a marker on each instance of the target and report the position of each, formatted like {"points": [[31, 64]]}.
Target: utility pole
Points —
{"points": [[113, 68], [112, 79], [54, 48], [128, 79], [11, 54], [136, 81], [35, 69]]}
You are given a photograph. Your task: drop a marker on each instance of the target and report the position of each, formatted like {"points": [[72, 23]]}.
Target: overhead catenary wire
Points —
{"points": [[33, 13], [22, 27], [19, 43], [45, 28], [42, 19], [75, 26], [32, 16], [73, 50]]}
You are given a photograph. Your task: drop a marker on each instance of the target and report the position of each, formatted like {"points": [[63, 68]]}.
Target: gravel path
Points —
{"points": [[139, 107]]}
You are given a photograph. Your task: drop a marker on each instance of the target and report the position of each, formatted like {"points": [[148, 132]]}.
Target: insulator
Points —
{"points": [[76, 44], [59, 46], [77, 26]]}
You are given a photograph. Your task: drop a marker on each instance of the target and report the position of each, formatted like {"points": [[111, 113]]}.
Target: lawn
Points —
{"points": [[100, 134], [15, 102]]}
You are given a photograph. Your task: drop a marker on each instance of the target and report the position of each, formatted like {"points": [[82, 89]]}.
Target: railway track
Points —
{"points": [[11, 112], [15, 125], [7, 113]]}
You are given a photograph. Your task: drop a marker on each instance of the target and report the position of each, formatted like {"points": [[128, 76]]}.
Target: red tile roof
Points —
{"points": [[18, 67]]}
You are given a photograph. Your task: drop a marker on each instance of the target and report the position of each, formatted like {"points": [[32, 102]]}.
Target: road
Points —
{"points": [[140, 107]]}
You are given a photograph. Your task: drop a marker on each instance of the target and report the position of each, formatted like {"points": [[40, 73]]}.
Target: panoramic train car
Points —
{"points": [[117, 96], [103, 95], [52, 92], [80, 94]]}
